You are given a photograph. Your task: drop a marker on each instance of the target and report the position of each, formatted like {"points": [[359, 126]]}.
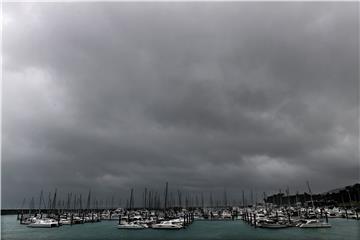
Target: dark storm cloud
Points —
{"points": [[203, 95]]}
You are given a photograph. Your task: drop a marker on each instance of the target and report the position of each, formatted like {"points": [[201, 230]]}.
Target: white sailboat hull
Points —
{"points": [[130, 226], [315, 226], [160, 226]]}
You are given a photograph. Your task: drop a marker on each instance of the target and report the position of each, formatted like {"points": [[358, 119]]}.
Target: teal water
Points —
{"points": [[238, 230]]}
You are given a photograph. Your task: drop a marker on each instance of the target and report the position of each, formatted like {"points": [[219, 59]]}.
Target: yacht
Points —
{"points": [[44, 223], [65, 221], [334, 213], [226, 215], [176, 221], [314, 223], [28, 221], [167, 225], [271, 224], [131, 225]]}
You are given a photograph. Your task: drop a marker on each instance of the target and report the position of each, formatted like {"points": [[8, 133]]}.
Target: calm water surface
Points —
{"points": [[232, 230]]}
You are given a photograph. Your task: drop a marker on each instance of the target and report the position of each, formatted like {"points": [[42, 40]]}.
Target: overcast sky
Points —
{"points": [[205, 96]]}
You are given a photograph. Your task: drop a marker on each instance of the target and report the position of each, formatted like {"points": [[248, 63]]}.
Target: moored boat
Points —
{"points": [[314, 223], [167, 225], [272, 224], [44, 223], [130, 225]]}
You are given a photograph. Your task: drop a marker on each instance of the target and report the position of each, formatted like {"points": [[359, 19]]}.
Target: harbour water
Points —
{"points": [[224, 230]]}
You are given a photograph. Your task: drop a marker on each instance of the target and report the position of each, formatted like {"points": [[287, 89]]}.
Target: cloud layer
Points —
{"points": [[203, 95]]}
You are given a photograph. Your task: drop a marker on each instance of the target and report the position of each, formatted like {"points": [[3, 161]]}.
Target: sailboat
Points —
{"points": [[44, 223], [167, 225], [314, 223], [131, 225]]}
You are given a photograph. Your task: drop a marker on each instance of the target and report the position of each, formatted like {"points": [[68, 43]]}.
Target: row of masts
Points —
{"points": [[151, 199]]}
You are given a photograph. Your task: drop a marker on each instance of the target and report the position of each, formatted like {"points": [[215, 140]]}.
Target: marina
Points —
{"points": [[159, 213], [200, 229]]}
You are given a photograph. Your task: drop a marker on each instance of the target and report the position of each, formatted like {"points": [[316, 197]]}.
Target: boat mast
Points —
{"points": [[179, 200], [225, 198], [243, 198], [145, 196], [287, 194], [131, 199], [265, 201], [23, 204], [88, 200], [166, 196], [312, 202], [202, 199], [54, 201], [252, 197], [31, 205], [41, 196], [112, 202]]}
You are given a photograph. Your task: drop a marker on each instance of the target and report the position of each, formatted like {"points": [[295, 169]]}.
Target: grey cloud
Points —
{"points": [[203, 95]]}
